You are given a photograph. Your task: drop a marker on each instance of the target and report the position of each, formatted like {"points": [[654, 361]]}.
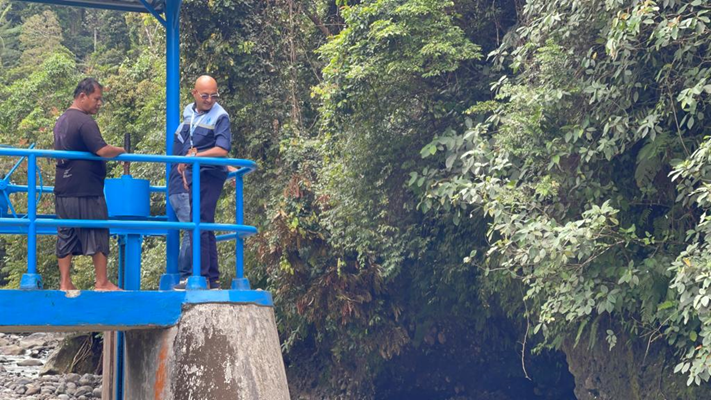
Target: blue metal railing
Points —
{"points": [[31, 280]]}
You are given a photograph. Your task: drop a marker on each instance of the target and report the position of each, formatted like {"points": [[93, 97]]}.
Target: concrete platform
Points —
{"points": [[91, 311]]}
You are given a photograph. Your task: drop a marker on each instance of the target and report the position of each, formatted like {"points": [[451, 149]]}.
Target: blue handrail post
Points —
{"points": [[172, 119], [31, 280], [240, 282], [196, 281]]}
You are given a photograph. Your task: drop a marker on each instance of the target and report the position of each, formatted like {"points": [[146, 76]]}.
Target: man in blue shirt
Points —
{"points": [[206, 133]]}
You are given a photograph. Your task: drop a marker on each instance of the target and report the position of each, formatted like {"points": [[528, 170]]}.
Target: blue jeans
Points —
{"points": [[210, 190], [181, 205]]}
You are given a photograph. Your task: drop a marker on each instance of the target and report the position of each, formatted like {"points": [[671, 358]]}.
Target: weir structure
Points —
{"points": [[164, 344]]}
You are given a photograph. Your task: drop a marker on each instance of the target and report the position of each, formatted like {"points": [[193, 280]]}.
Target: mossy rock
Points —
{"points": [[78, 353]]}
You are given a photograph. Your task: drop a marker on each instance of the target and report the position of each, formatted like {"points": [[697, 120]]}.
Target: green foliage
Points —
{"points": [[33, 103], [571, 163]]}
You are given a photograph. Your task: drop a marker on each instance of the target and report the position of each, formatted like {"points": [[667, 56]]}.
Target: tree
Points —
{"points": [[589, 166], [41, 35]]}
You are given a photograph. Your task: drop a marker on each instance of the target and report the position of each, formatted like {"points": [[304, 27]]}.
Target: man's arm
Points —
{"points": [[213, 152], [109, 151]]}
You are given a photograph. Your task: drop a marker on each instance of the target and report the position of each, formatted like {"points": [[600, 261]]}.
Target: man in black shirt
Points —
{"points": [[79, 185]]}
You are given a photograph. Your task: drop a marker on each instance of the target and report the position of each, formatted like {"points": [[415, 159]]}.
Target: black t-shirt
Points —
{"points": [[77, 131]]}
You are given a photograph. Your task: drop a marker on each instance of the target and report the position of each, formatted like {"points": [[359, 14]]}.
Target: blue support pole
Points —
{"points": [[240, 282], [119, 366], [121, 260], [31, 280], [132, 270], [172, 119], [196, 281], [118, 384]]}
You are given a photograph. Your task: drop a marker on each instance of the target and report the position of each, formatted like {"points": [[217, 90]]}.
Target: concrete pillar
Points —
{"points": [[108, 382], [216, 352]]}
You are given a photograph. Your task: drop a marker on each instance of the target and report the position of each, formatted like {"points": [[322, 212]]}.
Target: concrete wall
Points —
{"points": [[217, 351]]}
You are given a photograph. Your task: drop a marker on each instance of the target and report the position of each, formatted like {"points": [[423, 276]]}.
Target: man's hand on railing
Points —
{"points": [[231, 169]]}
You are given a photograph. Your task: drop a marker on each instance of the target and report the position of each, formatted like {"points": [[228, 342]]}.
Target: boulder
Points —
{"points": [[630, 370], [12, 350], [78, 353], [30, 362]]}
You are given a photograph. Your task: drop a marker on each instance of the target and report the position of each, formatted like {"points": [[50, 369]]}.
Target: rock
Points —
{"points": [[632, 370], [86, 379], [12, 350], [74, 378], [63, 358], [97, 392], [32, 390], [39, 339], [61, 388], [23, 381], [30, 362], [20, 390], [83, 390], [62, 397], [71, 385]]}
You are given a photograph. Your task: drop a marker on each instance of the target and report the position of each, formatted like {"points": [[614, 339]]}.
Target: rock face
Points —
{"points": [[217, 351], [20, 372], [629, 372], [79, 353]]}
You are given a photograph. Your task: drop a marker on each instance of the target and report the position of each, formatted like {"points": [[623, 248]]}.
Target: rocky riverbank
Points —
{"points": [[25, 375]]}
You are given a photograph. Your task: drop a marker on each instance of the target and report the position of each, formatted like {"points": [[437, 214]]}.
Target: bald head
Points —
{"points": [[205, 93]]}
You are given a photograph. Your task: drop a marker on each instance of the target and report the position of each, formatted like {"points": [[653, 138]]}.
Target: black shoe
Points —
{"points": [[215, 285], [181, 285]]}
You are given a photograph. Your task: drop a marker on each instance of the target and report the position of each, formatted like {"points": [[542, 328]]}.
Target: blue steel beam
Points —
{"points": [[153, 12], [172, 120], [55, 310]]}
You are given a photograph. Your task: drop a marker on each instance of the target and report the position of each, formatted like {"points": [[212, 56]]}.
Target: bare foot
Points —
{"points": [[67, 286], [107, 287]]}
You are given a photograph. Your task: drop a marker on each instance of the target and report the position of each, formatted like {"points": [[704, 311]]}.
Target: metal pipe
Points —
{"points": [[12, 188], [196, 218], [239, 219], [132, 273], [242, 230], [80, 155], [172, 119], [32, 214]]}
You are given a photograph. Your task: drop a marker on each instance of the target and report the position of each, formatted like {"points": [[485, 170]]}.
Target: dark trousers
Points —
{"points": [[210, 190]]}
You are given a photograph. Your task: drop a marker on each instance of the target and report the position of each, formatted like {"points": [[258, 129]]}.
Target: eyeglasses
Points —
{"points": [[205, 96]]}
